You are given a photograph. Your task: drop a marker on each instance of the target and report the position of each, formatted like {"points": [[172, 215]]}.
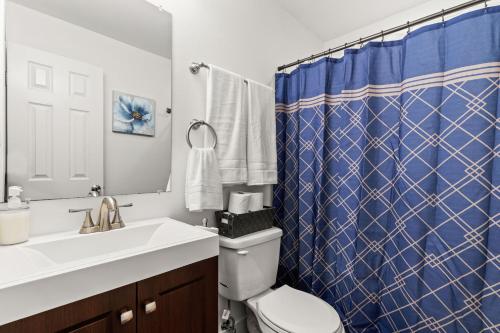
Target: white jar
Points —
{"points": [[14, 226]]}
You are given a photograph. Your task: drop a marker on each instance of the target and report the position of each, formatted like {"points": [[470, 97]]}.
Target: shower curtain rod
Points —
{"points": [[383, 33]]}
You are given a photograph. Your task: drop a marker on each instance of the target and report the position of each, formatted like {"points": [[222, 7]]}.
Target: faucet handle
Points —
{"points": [[126, 205], [88, 225], [117, 219], [71, 210]]}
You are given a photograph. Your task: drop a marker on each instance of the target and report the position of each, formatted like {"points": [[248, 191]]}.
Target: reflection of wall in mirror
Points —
{"points": [[133, 164]]}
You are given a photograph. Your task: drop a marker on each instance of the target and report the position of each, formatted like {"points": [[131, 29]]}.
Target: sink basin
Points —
{"points": [[98, 244], [53, 270]]}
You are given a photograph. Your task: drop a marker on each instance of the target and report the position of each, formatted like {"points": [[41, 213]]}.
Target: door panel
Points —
{"points": [[55, 124]]}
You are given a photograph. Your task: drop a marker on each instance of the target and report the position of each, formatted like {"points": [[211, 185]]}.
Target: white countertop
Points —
{"points": [[58, 269]]}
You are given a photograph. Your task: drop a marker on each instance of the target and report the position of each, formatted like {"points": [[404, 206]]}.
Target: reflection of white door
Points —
{"points": [[55, 124]]}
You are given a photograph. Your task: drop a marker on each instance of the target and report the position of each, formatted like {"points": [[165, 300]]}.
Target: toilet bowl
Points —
{"points": [[248, 268]]}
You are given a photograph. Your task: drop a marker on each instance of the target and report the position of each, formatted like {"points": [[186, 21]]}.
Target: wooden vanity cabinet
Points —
{"points": [[180, 301]]}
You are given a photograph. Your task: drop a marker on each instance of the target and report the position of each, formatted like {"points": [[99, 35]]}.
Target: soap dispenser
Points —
{"points": [[14, 219]]}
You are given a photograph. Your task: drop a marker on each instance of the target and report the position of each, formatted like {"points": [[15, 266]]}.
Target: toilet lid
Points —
{"points": [[287, 310]]}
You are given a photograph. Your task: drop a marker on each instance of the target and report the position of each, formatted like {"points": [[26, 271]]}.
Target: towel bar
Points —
{"points": [[195, 67], [196, 124]]}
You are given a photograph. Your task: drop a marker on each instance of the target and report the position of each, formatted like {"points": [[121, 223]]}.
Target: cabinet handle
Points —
{"points": [[126, 316], [150, 307], [242, 252]]}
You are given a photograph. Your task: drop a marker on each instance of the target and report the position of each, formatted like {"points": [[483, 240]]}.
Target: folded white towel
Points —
{"points": [[203, 185], [261, 145], [228, 116]]}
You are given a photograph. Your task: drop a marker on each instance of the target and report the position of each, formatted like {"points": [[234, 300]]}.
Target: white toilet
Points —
{"points": [[248, 267]]}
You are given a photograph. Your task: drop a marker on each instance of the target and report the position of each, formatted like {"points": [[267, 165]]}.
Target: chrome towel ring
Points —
{"points": [[196, 124]]}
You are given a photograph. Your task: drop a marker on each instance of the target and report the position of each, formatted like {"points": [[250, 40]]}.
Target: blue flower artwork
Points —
{"points": [[133, 114]]}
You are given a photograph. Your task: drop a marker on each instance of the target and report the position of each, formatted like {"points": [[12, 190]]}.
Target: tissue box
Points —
{"points": [[237, 225]]}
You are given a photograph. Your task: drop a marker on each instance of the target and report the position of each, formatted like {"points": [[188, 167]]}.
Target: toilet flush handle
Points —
{"points": [[242, 252]]}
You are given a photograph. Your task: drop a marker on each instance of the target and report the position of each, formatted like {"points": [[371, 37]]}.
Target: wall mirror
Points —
{"points": [[88, 97]]}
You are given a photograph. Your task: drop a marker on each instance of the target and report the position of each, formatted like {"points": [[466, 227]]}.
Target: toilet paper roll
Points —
{"points": [[256, 201], [239, 202]]}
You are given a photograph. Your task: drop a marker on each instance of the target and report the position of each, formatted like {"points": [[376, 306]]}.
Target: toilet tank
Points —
{"points": [[248, 265]]}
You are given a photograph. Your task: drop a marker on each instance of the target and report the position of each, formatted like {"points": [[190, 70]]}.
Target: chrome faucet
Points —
{"points": [[108, 206]]}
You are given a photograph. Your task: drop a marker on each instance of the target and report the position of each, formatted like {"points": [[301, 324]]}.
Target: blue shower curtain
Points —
{"points": [[389, 179]]}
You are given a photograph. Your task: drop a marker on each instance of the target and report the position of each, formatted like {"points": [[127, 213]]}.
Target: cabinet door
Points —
{"points": [[185, 299], [96, 314]]}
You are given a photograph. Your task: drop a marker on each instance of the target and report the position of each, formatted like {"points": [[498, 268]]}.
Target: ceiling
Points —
{"points": [[329, 19], [135, 22]]}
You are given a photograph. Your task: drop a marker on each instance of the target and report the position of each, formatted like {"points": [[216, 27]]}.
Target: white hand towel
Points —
{"points": [[203, 185], [261, 145], [228, 116]]}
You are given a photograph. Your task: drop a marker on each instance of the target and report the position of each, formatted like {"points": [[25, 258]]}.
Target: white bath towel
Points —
{"points": [[261, 145], [203, 185], [227, 114]]}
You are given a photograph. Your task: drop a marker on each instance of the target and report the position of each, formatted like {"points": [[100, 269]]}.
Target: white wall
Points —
{"points": [[424, 9], [126, 69]]}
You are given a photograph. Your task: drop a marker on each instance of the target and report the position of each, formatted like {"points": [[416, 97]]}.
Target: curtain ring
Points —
{"points": [[408, 25], [442, 16], [361, 43], [485, 4], [383, 36]]}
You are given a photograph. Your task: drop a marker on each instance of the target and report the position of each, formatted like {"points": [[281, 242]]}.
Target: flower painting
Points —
{"points": [[133, 114]]}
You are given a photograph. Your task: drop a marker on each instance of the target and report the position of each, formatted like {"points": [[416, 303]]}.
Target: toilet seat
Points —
{"points": [[287, 310]]}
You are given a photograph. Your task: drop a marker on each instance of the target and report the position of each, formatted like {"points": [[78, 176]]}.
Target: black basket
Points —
{"points": [[237, 225]]}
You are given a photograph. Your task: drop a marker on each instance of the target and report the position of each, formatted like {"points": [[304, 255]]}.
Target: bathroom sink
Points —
{"points": [[90, 246], [53, 270]]}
